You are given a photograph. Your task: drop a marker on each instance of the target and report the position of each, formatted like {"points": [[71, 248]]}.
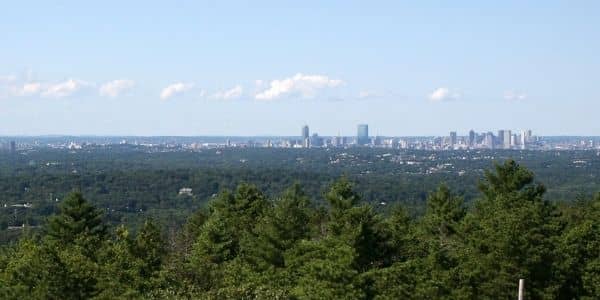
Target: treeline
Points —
{"points": [[131, 186], [247, 246]]}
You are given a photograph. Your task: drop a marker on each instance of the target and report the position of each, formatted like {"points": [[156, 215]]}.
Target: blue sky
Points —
{"points": [[268, 67]]}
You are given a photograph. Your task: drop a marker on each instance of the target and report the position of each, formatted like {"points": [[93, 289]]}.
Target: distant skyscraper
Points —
{"points": [[362, 135], [376, 141], [13, 146], [316, 140], [507, 139], [305, 136], [500, 138], [453, 138], [305, 132], [306, 142], [527, 136], [403, 144], [489, 140], [524, 139], [471, 138], [336, 141]]}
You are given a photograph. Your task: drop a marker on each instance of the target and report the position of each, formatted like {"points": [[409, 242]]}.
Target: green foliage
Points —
{"points": [[247, 246], [324, 270], [437, 242], [443, 215], [279, 230], [77, 218], [580, 252], [511, 233], [130, 184], [77, 260], [232, 219]]}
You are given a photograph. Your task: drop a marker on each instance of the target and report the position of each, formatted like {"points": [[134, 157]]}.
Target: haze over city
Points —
{"points": [[266, 68]]}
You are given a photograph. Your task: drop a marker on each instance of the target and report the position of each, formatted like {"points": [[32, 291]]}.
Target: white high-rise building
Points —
{"points": [[453, 139], [507, 139], [529, 136], [489, 140], [403, 144], [524, 139], [305, 137], [306, 143]]}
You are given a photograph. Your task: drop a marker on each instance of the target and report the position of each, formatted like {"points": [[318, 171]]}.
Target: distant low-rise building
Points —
{"points": [[186, 191]]}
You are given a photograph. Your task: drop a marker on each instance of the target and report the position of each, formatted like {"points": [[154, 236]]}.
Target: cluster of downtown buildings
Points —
{"points": [[504, 139], [10, 146], [307, 141]]}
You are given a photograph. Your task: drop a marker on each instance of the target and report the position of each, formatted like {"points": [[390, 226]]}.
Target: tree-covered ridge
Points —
{"points": [[247, 245], [130, 185]]}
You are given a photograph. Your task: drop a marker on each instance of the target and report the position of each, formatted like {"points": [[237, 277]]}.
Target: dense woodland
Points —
{"points": [[249, 244], [130, 184]]}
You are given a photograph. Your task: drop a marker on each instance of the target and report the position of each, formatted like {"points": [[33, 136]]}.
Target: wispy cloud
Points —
{"points": [[230, 94], [514, 96], [31, 88], [15, 87], [444, 94], [174, 89], [65, 88], [115, 88], [304, 85], [27, 89]]}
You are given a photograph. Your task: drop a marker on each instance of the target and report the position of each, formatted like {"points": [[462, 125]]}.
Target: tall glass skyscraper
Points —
{"points": [[305, 137], [305, 133], [453, 138], [362, 135], [471, 138]]}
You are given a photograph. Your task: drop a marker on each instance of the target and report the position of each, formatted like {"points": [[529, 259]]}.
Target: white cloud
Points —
{"points": [[174, 89], [305, 85], [64, 89], [31, 88], [114, 88], [514, 96], [27, 89], [229, 94], [51, 90], [443, 94]]}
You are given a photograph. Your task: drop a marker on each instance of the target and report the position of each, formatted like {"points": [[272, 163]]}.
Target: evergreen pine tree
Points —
{"points": [[510, 234], [77, 219]]}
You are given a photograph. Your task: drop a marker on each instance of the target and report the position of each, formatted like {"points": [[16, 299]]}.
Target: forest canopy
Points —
{"points": [[246, 244]]}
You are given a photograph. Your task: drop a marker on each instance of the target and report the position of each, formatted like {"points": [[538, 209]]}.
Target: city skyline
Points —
{"points": [[262, 68], [501, 140]]}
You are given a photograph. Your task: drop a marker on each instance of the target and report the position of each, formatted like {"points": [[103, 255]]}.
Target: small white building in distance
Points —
{"points": [[185, 191]]}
